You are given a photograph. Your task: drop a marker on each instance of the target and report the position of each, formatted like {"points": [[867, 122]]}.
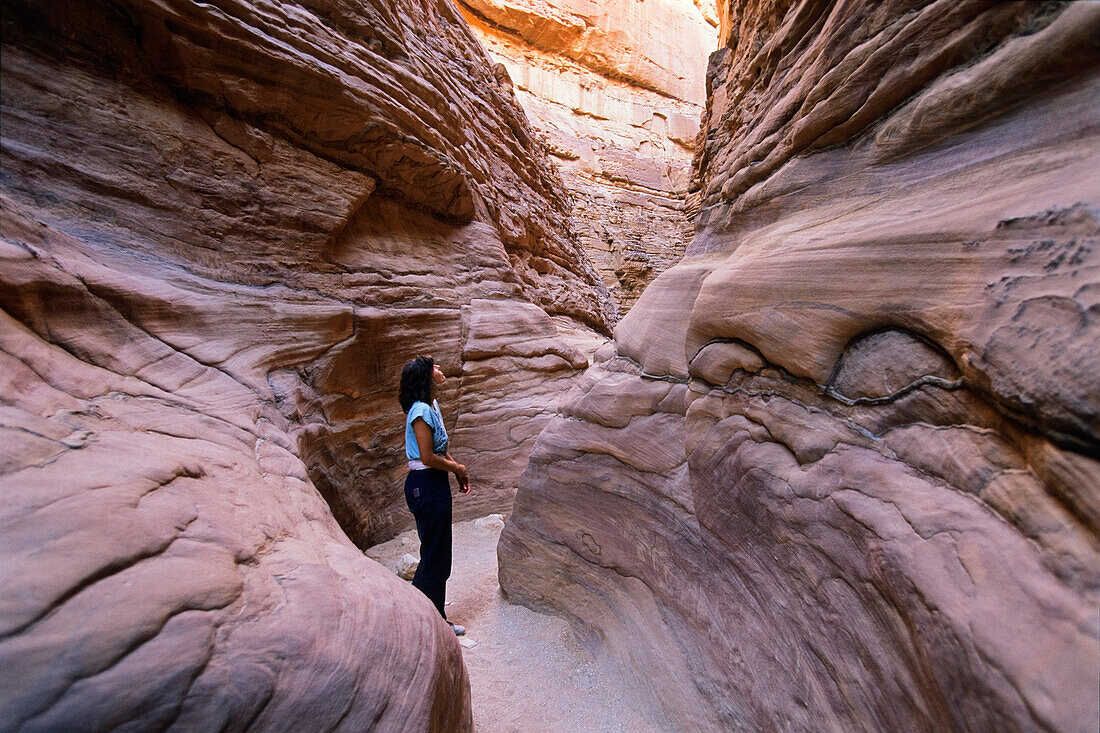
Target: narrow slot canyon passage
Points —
{"points": [[767, 331], [528, 673]]}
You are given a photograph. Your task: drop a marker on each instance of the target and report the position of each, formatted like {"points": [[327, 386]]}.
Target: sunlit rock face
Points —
{"points": [[839, 469], [615, 91], [225, 228]]}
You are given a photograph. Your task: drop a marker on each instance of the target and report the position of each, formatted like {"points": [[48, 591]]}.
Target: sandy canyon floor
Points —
{"points": [[527, 671]]}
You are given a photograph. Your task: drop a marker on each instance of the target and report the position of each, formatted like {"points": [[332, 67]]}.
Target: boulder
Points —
{"points": [[407, 565]]}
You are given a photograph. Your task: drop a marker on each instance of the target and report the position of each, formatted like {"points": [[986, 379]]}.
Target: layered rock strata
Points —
{"points": [[225, 228], [615, 91], [839, 469]]}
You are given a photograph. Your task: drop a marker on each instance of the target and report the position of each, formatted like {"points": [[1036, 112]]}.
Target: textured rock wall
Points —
{"points": [[615, 91], [839, 469], [225, 227]]}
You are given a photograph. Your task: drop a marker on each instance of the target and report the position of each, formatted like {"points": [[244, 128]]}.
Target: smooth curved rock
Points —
{"points": [[225, 227], [875, 504]]}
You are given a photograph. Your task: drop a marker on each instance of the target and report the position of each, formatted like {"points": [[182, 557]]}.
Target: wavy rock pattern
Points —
{"points": [[839, 469], [615, 91], [225, 227]]}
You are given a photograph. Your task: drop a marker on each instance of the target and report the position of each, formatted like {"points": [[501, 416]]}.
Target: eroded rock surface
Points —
{"points": [[615, 91], [225, 228], [839, 469]]}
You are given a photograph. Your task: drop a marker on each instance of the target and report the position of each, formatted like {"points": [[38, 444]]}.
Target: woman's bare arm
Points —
{"points": [[423, 433]]}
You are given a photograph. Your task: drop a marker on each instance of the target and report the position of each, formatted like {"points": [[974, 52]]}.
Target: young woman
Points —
{"points": [[427, 489]]}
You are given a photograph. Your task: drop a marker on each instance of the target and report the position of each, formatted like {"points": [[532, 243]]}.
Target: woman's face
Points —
{"points": [[438, 377]]}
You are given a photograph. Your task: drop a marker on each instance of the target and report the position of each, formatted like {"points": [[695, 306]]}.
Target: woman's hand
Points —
{"points": [[463, 479], [461, 475]]}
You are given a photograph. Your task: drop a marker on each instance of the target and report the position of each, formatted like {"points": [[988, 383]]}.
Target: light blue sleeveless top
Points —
{"points": [[431, 415]]}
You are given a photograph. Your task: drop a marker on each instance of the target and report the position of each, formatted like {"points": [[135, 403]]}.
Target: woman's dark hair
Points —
{"points": [[416, 382]]}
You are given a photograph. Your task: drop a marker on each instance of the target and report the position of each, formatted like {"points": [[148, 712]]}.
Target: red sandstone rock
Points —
{"points": [[615, 91], [646, 44], [225, 227], [839, 471]]}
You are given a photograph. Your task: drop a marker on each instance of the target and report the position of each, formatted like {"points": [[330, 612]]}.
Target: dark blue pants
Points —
{"points": [[428, 494]]}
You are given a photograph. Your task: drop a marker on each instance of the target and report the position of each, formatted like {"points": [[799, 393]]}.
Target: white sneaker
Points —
{"points": [[459, 630]]}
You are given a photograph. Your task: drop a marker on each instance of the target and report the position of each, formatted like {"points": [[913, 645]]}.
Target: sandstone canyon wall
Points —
{"points": [[615, 91], [840, 468], [226, 225]]}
